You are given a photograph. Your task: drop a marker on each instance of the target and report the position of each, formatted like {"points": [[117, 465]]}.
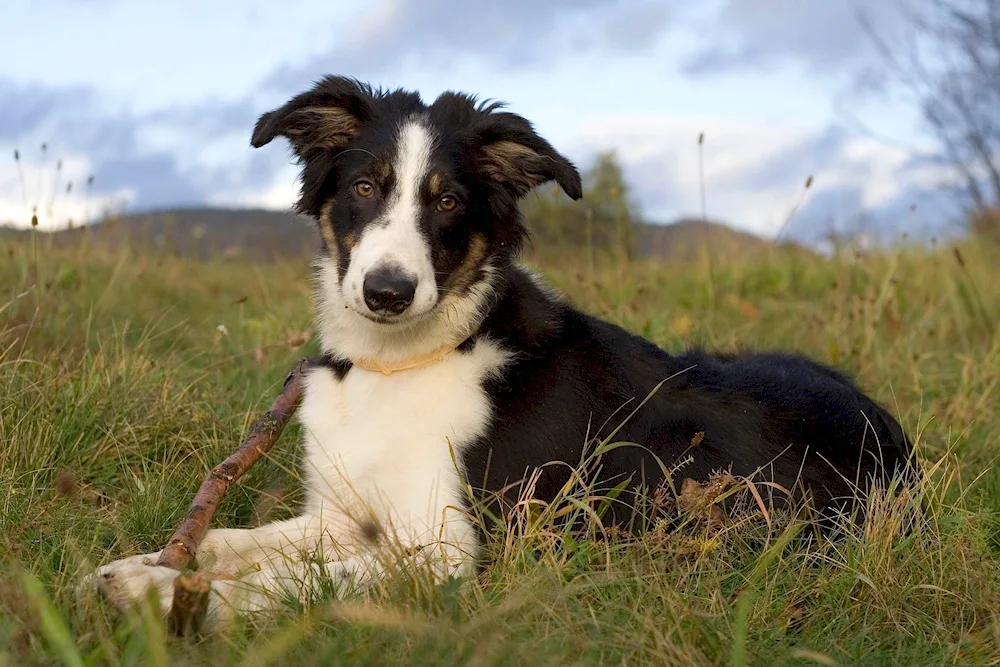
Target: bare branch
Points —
{"points": [[181, 549], [949, 66], [191, 589]]}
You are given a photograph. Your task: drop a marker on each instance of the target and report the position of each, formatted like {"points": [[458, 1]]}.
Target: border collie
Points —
{"points": [[452, 373]]}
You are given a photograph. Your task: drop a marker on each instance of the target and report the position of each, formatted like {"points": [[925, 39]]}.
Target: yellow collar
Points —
{"points": [[378, 366]]}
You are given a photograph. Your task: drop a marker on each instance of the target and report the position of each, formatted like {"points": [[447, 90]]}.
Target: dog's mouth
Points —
{"points": [[384, 320], [401, 321]]}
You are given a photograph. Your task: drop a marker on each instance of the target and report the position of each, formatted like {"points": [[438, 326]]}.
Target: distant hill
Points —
{"points": [[264, 235], [685, 240], [203, 233]]}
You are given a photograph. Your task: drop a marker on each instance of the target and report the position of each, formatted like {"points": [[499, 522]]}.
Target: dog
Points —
{"points": [[453, 375]]}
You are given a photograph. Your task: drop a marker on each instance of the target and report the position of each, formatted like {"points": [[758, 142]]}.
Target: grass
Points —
{"points": [[124, 377]]}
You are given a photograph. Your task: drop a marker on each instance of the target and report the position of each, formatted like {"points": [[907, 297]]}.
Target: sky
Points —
{"points": [[157, 100]]}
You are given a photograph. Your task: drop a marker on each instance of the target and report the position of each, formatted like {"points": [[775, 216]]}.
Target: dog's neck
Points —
{"points": [[376, 365], [389, 352]]}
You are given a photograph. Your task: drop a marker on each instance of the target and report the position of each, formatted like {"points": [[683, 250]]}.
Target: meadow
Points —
{"points": [[125, 375]]}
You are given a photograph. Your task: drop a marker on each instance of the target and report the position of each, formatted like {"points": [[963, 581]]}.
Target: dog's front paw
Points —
{"points": [[127, 581]]}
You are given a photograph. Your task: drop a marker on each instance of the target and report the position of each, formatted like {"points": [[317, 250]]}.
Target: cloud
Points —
{"points": [[635, 28], [197, 153], [509, 34], [915, 211], [34, 186], [660, 152], [28, 107], [209, 118], [582, 70], [755, 174], [170, 157], [822, 35]]}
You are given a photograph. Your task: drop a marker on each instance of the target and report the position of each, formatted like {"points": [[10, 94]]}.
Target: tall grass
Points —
{"points": [[132, 374]]}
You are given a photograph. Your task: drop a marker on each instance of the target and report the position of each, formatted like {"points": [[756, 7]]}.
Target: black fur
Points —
{"points": [[774, 416], [333, 163], [574, 378], [338, 367]]}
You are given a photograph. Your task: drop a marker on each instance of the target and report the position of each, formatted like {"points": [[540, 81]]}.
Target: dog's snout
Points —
{"points": [[389, 291]]}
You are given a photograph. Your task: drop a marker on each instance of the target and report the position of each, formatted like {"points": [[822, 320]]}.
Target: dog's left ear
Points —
{"points": [[509, 151], [328, 116]]}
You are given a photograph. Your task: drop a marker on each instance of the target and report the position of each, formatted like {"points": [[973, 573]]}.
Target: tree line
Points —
{"points": [[607, 217]]}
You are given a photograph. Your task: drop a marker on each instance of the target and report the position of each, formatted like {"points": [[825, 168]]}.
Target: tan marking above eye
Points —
{"points": [[447, 203], [364, 189], [436, 184]]}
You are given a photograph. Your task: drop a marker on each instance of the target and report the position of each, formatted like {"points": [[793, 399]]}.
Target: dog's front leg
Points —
{"points": [[234, 551], [279, 580], [224, 551]]}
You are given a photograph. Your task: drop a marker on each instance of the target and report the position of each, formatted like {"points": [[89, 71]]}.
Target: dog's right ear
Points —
{"points": [[327, 116]]}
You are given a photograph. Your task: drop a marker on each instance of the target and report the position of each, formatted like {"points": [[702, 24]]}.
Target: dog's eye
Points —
{"points": [[364, 189], [447, 203]]}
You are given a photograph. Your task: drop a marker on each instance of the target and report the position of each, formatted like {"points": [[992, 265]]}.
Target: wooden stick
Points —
{"points": [[190, 604], [180, 551], [191, 589]]}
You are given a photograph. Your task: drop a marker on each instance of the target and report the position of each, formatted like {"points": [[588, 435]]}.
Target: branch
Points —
{"points": [[191, 589], [956, 86], [181, 549]]}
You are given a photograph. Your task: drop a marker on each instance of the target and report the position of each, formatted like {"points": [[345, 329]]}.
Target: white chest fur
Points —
{"points": [[392, 444]]}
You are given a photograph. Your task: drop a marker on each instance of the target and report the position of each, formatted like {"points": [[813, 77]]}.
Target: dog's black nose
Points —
{"points": [[389, 291]]}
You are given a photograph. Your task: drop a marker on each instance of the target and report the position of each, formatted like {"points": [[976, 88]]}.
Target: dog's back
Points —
{"points": [[771, 417]]}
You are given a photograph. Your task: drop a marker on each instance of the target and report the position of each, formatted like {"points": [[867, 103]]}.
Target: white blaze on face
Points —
{"points": [[394, 238]]}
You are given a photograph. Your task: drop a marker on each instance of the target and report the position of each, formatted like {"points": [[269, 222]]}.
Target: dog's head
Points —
{"points": [[416, 204]]}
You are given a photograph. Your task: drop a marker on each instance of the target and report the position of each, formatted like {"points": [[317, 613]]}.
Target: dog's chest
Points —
{"points": [[395, 442]]}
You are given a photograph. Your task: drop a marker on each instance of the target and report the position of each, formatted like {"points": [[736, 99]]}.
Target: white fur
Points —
{"points": [[390, 444], [395, 238], [430, 322], [345, 333], [382, 448]]}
